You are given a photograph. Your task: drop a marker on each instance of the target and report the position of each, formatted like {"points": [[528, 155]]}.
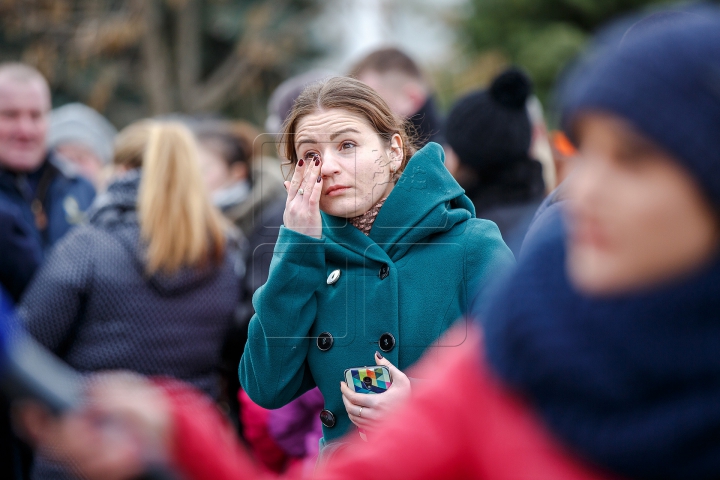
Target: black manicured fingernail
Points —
{"points": [[301, 163], [319, 178], [317, 162], [378, 355]]}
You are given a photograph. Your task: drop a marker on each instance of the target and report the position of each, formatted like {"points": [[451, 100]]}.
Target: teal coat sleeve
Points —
{"points": [[273, 369]]}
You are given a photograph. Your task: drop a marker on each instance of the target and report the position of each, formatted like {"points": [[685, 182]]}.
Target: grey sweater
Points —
{"points": [[93, 304]]}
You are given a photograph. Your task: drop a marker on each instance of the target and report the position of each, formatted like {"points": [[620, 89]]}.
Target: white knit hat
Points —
{"points": [[78, 123]]}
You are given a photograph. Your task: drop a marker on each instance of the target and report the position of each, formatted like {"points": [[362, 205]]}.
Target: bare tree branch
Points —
{"points": [[155, 58], [225, 83], [188, 51]]}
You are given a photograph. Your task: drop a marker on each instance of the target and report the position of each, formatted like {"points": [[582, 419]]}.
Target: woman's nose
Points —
{"points": [[588, 181], [330, 165]]}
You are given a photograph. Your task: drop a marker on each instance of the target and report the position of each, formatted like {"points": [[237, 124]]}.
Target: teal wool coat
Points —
{"points": [[413, 276]]}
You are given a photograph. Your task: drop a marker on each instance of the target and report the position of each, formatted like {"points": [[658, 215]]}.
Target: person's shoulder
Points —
{"points": [[479, 230], [83, 233], [485, 246], [546, 228]]}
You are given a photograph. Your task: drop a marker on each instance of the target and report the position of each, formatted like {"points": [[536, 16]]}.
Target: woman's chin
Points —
{"points": [[338, 209], [591, 273]]}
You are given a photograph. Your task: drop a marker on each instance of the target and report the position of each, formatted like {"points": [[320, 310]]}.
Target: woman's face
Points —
{"points": [[215, 170], [356, 163], [637, 218]]}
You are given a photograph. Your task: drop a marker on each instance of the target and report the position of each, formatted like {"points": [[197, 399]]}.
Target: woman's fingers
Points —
{"points": [[359, 407], [396, 375], [302, 209], [296, 180], [314, 184], [357, 399], [365, 422]]}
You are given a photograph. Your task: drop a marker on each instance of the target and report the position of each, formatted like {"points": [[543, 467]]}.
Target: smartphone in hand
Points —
{"points": [[368, 379]]}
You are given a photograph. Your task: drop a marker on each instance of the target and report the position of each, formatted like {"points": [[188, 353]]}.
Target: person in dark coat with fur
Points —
{"points": [[489, 133]]}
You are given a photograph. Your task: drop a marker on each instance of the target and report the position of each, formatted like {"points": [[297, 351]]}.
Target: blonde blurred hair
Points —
{"points": [[177, 220]]}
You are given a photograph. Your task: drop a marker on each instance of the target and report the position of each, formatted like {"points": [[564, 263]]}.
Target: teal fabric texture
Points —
{"points": [[436, 255]]}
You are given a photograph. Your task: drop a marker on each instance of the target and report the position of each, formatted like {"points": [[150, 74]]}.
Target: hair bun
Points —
{"points": [[511, 88]]}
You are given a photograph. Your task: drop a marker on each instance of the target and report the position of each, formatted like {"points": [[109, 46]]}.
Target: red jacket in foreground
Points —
{"points": [[462, 424]]}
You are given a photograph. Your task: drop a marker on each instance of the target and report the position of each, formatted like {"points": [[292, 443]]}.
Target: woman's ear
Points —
{"points": [[396, 150]]}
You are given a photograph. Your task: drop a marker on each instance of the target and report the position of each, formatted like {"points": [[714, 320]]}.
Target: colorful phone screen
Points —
{"points": [[368, 379]]}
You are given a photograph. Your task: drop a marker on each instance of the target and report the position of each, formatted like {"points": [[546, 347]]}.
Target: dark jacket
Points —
{"points": [[399, 289], [21, 251], [509, 194], [64, 196], [93, 304]]}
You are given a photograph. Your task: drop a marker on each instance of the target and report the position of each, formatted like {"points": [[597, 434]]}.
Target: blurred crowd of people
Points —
{"points": [[221, 267]]}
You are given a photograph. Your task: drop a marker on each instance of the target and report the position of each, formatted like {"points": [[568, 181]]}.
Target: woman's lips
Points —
{"points": [[335, 190], [590, 236]]}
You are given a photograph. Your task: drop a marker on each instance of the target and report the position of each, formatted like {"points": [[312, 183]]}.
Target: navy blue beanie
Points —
{"points": [[666, 82]]}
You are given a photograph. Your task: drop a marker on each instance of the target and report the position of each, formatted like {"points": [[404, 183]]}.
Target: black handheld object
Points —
{"points": [[29, 371]]}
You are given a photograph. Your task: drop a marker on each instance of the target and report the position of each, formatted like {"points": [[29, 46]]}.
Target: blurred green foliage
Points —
{"points": [[541, 35]]}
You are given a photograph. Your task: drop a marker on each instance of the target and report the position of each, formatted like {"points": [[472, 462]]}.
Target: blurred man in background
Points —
{"points": [[399, 81], [49, 196], [40, 200]]}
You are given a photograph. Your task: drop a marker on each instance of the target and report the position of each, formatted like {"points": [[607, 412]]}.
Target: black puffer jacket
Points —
{"points": [[93, 304]]}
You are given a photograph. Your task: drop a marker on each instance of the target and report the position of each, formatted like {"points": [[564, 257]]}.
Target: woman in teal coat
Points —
{"points": [[379, 254]]}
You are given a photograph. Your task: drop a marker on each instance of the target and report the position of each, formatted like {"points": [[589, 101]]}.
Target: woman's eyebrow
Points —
{"points": [[347, 130], [302, 140]]}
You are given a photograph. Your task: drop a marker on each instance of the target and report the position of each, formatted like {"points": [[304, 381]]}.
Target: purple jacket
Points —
{"points": [[296, 427]]}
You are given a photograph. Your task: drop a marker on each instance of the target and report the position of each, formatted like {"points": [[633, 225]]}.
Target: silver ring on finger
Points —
{"points": [[360, 412], [300, 191]]}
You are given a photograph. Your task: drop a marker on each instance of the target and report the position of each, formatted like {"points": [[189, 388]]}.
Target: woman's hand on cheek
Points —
{"points": [[367, 410], [302, 209]]}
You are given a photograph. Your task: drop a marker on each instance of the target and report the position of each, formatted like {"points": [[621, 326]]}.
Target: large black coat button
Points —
{"points": [[384, 271], [327, 418], [325, 341], [386, 342]]}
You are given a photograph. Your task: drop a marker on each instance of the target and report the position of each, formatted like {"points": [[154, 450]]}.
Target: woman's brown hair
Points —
{"points": [[177, 221], [351, 95]]}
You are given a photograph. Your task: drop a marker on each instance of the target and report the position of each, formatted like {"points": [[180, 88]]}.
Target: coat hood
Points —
{"points": [[425, 201], [116, 211]]}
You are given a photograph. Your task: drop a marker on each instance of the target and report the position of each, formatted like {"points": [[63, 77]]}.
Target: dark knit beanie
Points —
{"points": [[665, 81], [491, 127]]}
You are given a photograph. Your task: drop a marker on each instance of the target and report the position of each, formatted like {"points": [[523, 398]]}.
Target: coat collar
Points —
{"points": [[426, 200]]}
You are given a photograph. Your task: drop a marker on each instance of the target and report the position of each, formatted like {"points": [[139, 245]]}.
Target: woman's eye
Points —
{"points": [[311, 156], [347, 145]]}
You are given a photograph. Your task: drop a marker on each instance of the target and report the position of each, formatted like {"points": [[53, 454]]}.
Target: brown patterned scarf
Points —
{"points": [[365, 221]]}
